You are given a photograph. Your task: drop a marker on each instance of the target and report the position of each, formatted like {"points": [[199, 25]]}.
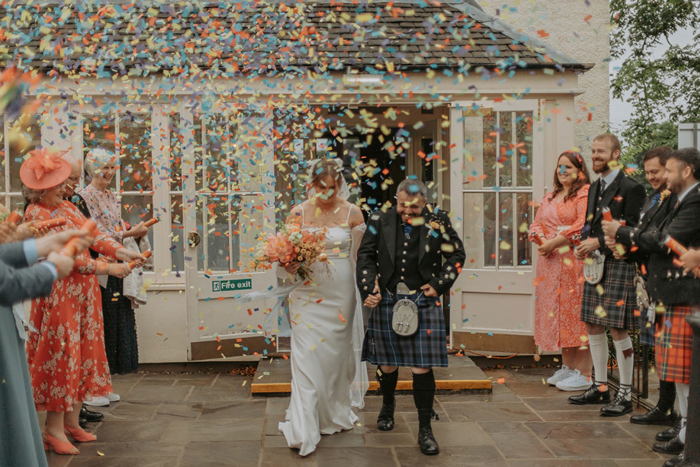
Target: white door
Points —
{"points": [[424, 159], [228, 204], [497, 167]]}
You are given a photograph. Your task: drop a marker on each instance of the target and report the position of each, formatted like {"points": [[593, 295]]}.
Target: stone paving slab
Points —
{"points": [[213, 420]]}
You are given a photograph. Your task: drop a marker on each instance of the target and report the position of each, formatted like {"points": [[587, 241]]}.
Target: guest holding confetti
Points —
{"points": [[67, 361], [119, 317], [559, 220], [19, 280]]}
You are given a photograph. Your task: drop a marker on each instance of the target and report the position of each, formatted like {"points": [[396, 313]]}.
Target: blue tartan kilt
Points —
{"points": [[427, 348]]}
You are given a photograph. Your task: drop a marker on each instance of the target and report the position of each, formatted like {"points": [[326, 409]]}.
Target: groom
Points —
{"points": [[409, 252]]}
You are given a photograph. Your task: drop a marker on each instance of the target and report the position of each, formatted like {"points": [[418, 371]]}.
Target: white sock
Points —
{"points": [[625, 364], [598, 343], [683, 391]]}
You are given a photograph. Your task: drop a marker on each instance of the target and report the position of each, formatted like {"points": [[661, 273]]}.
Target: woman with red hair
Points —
{"points": [[559, 219]]}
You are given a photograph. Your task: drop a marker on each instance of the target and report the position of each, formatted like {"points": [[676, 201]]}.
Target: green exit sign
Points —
{"points": [[231, 285]]}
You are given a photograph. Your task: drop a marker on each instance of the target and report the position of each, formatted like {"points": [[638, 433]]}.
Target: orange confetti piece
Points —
{"points": [[340, 315]]}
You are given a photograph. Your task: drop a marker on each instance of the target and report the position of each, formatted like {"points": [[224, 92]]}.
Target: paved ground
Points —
{"points": [[211, 420]]}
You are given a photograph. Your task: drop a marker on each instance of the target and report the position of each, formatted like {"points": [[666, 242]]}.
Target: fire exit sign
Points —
{"points": [[231, 285]]}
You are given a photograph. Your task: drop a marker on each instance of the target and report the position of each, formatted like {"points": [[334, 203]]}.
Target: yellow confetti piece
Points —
{"points": [[100, 453]]}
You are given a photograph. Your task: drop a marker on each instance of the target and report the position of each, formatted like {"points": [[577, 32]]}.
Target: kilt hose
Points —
{"points": [[427, 348], [674, 344], [613, 301]]}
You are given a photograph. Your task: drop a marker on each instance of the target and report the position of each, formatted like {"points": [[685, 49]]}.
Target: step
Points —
{"points": [[273, 377]]}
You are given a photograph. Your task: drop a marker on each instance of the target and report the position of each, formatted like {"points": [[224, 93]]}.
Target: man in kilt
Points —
{"points": [[408, 252], [656, 208], [610, 303], [677, 291]]}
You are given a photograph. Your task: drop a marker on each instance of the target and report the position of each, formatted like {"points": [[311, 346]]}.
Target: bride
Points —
{"points": [[326, 317]]}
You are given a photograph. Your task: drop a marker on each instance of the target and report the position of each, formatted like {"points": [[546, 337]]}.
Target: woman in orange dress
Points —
{"points": [[558, 295], [67, 361]]}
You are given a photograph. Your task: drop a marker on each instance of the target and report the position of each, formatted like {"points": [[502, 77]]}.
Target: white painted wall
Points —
{"points": [[570, 33]]}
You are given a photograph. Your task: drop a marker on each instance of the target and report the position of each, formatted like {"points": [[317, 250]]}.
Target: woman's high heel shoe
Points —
{"points": [[59, 447], [80, 435]]}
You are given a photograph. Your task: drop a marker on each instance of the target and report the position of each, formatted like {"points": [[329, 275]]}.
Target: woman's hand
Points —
{"points": [[129, 255], [547, 247], [610, 228], [8, 232], [292, 268], [120, 270], [373, 300], [137, 231]]}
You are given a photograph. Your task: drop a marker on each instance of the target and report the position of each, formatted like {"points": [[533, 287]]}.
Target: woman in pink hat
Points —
{"points": [[67, 361]]}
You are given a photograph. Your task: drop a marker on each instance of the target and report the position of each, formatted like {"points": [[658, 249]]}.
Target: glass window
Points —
{"points": [[498, 188]]}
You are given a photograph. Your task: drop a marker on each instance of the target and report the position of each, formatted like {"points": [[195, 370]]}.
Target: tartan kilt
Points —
{"points": [[674, 344], [425, 349], [617, 303]]}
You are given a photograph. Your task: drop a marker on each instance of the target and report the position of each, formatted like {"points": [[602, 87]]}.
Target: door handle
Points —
{"points": [[194, 239]]}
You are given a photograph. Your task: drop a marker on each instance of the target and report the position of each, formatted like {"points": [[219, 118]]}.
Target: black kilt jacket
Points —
{"points": [[667, 282], [624, 197], [440, 256]]}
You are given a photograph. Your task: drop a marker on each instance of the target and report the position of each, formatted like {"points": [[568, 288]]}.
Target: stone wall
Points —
{"points": [[579, 28]]}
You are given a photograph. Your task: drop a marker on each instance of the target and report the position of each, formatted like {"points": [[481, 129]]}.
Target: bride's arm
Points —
{"points": [[358, 227]]}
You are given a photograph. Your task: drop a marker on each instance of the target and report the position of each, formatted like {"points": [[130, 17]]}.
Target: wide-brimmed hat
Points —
{"points": [[44, 169]]}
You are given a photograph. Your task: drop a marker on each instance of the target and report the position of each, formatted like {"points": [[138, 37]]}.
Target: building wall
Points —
{"points": [[571, 31]]}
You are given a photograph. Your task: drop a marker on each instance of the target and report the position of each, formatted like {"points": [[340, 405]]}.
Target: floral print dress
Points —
{"points": [[67, 361], [559, 281]]}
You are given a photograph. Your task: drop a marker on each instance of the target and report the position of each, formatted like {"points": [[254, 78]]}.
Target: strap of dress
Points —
{"points": [[347, 221], [302, 214]]}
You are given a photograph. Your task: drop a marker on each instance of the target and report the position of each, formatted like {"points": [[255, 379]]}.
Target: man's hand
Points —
{"points": [[429, 291], [587, 247], [691, 261], [610, 228], [373, 300], [64, 264], [56, 242], [610, 243]]}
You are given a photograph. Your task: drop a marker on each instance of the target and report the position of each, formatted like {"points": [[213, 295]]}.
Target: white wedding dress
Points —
{"points": [[327, 376]]}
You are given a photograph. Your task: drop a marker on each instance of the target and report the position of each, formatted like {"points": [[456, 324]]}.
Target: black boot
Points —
{"points": [[423, 396], [387, 383]]}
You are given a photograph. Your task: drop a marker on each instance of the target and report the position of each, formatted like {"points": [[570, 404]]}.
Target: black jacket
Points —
{"points": [[667, 282], [438, 241], [624, 197], [628, 235]]}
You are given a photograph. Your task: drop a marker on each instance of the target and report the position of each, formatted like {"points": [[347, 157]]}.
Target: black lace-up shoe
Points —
{"points": [[668, 435], [676, 461], [426, 439], [618, 407], [656, 417], [592, 396], [675, 446]]}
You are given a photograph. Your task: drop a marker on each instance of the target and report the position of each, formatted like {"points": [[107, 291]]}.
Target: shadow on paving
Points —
{"points": [[212, 420]]}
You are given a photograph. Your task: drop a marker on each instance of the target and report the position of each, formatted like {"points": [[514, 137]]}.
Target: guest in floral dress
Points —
{"points": [[66, 357], [559, 290], [104, 208]]}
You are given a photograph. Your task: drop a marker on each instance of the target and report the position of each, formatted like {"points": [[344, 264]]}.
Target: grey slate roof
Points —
{"points": [[227, 38]]}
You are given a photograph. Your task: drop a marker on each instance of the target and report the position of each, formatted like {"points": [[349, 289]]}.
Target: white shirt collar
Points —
{"points": [[683, 195], [609, 178]]}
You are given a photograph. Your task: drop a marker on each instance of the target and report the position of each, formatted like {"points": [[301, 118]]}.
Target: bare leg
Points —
{"points": [[584, 362], [388, 369], [54, 425], [568, 357], [72, 418], [419, 371]]}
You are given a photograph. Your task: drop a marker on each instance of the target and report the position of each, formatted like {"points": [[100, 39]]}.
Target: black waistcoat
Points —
{"points": [[406, 268]]}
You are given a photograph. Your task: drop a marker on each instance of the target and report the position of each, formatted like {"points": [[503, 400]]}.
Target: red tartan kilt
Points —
{"points": [[674, 344]]}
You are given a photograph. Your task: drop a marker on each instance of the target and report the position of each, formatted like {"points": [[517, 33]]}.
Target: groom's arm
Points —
{"points": [[366, 271]]}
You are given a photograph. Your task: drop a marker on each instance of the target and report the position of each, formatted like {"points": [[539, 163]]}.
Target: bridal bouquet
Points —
{"points": [[291, 244]]}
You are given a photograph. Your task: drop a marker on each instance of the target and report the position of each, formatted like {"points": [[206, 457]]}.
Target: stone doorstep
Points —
{"points": [[273, 378]]}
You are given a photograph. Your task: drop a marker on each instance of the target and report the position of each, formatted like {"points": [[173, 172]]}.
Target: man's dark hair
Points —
{"points": [[662, 152], [688, 157]]}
